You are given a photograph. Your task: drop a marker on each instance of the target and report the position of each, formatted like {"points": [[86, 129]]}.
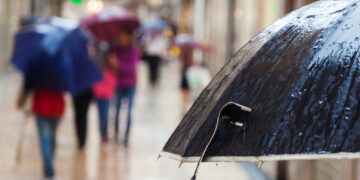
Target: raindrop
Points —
{"points": [[300, 93], [307, 149], [293, 95], [346, 117], [300, 133], [260, 164], [321, 102]]}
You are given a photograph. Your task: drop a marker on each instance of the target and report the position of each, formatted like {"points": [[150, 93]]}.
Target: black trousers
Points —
{"points": [[81, 103], [154, 62]]}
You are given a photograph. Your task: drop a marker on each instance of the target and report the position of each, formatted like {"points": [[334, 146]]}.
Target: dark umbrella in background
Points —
{"points": [[107, 24], [292, 92], [53, 55]]}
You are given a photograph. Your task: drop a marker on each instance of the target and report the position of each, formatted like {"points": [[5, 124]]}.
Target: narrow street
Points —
{"points": [[156, 114]]}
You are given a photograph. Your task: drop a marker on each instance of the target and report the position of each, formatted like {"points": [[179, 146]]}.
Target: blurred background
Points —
{"points": [[224, 26]]}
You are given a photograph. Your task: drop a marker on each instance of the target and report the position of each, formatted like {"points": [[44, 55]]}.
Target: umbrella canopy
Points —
{"points": [[107, 24], [53, 56], [292, 91], [154, 25], [188, 41]]}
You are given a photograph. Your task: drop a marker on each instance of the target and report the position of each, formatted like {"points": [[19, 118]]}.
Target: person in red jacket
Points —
{"points": [[48, 107]]}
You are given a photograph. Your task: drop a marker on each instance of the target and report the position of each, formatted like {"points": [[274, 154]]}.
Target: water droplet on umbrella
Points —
{"points": [[310, 16]]}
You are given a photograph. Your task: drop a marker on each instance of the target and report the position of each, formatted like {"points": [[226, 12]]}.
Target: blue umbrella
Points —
{"points": [[154, 25], [53, 56]]}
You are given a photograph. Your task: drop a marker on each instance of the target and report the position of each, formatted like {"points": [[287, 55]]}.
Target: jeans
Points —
{"points": [[124, 93], [47, 134], [103, 107]]}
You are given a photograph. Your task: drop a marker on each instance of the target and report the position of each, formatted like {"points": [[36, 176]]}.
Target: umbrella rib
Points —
{"points": [[244, 108]]}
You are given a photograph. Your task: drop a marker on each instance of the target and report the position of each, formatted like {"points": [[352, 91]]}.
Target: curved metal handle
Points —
{"points": [[225, 111]]}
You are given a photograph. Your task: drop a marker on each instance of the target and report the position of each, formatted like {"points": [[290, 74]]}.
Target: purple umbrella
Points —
{"points": [[107, 24], [188, 41]]}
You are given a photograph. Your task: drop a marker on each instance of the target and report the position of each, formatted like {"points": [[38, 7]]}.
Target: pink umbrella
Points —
{"points": [[188, 41], [107, 24]]}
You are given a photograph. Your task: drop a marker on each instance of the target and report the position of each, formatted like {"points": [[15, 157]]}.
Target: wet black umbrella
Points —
{"points": [[298, 84]]}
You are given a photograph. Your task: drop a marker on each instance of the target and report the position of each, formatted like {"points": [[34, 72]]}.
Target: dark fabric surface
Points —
{"points": [[81, 104], [300, 77]]}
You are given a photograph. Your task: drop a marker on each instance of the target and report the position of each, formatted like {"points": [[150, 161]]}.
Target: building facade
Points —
{"points": [[11, 11]]}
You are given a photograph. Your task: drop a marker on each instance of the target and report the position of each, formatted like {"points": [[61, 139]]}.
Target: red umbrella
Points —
{"points": [[107, 24]]}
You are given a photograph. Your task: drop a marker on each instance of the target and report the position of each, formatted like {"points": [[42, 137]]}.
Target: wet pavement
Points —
{"points": [[157, 112]]}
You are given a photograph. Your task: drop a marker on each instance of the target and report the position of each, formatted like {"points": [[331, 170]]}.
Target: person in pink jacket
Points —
{"points": [[104, 91]]}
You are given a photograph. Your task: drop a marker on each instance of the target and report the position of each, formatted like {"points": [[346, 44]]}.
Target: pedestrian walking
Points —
{"points": [[154, 52], [48, 108], [104, 91], [186, 58], [52, 55], [127, 55]]}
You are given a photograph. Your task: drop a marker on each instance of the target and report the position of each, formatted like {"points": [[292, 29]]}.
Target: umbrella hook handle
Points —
{"points": [[244, 108]]}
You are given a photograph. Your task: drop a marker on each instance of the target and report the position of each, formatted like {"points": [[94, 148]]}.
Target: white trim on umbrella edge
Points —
{"points": [[262, 158]]}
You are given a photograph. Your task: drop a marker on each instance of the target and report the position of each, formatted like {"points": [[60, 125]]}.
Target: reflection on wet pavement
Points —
{"points": [[156, 114]]}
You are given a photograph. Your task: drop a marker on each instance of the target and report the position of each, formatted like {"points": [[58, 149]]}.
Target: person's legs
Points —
{"points": [[81, 105], [47, 130], [130, 97], [154, 66], [54, 124], [185, 89], [103, 107], [119, 94]]}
